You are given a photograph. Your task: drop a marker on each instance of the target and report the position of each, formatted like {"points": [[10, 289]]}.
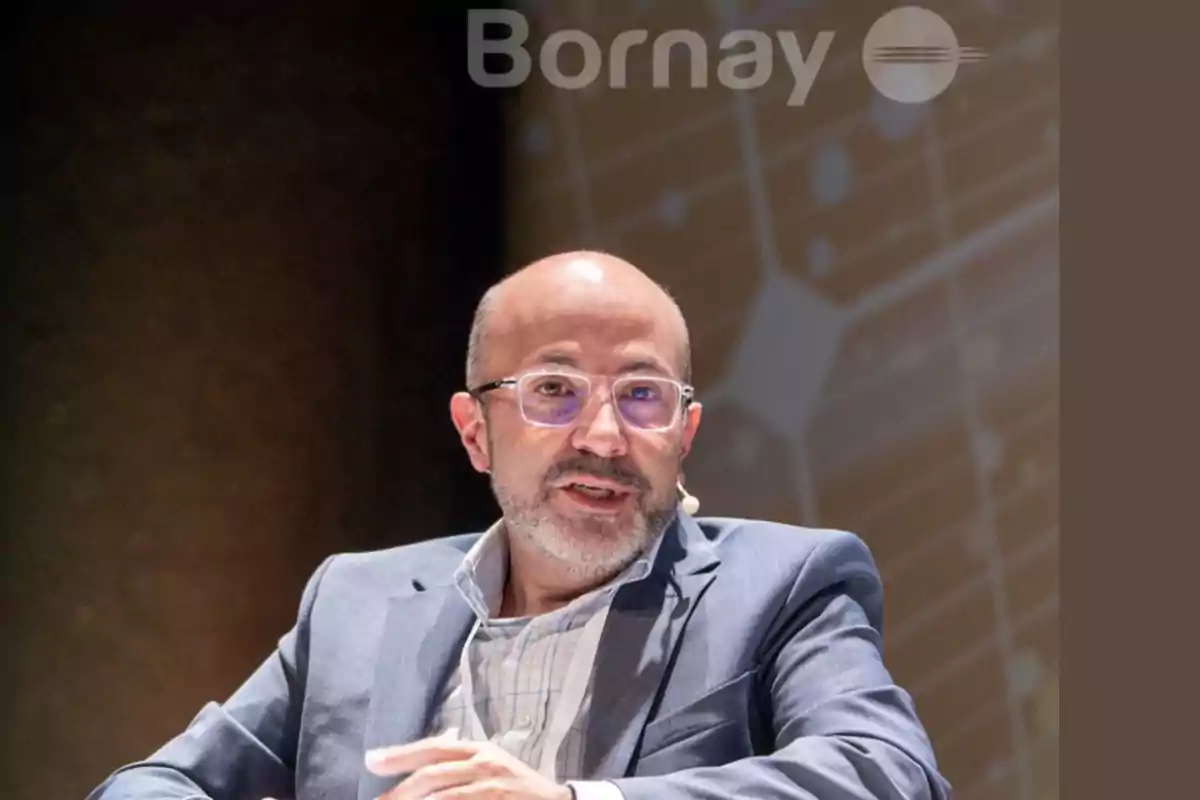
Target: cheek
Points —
{"points": [[525, 455], [659, 462]]}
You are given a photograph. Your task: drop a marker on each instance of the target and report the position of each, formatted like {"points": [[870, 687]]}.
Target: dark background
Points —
{"points": [[239, 271], [245, 254]]}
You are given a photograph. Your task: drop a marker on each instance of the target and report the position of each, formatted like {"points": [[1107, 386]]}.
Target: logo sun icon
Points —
{"points": [[911, 55]]}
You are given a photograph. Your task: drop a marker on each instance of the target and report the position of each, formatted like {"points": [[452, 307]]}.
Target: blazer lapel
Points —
{"points": [[640, 639], [408, 675]]}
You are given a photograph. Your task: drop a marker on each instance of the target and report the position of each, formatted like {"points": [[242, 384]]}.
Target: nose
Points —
{"points": [[600, 433]]}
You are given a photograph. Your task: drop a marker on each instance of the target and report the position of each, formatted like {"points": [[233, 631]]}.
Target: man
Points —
{"points": [[598, 642]]}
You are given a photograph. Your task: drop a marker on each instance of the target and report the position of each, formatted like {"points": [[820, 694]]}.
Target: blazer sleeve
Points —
{"points": [[843, 730], [242, 748]]}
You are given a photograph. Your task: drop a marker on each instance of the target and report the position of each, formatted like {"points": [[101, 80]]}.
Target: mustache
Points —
{"points": [[597, 467]]}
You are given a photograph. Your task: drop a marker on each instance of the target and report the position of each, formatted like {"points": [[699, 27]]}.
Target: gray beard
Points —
{"points": [[591, 549]]}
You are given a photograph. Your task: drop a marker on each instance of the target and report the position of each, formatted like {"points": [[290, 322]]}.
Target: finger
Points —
{"points": [[428, 781], [480, 790], [411, 757]]}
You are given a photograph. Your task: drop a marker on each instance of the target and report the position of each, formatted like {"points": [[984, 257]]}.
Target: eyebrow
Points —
{"points": [[637, 365], [642, 365]]}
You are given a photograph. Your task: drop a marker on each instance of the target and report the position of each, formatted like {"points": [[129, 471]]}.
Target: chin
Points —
{"points": [[608, 532], [596, 544], [600, 564]]}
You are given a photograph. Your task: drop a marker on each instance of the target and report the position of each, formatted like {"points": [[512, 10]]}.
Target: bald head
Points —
{"points": [[587, 288]]}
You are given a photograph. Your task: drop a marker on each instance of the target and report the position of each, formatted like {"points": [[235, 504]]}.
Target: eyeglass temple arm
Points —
{"points": [[487, 387]]}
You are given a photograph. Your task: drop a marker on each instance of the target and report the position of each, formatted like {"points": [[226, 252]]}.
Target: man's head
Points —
{"points": [[585, 447]]}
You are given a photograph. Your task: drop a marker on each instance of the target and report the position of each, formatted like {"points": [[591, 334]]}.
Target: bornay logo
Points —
{"points": [[910, 55]]}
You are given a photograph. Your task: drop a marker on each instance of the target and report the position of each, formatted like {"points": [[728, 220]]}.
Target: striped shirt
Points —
{"points": [[518, 665]]}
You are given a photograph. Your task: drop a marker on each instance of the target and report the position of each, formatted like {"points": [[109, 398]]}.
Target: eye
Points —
{"points": [[554, 387], [643, 392]]}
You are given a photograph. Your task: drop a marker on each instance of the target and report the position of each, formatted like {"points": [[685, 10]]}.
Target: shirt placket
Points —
{"points": [[514, 727]]}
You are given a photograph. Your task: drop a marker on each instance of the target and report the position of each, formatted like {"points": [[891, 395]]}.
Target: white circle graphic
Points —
{"points": [[911, 55]]}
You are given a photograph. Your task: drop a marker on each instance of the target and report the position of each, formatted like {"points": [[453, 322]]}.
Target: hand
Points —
{"points": [[444, 769]]}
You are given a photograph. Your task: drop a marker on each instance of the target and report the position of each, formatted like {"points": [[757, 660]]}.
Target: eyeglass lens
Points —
{"points": [[557, 399]]}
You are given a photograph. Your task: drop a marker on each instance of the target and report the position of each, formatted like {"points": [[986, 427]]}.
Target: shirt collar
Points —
{"points": [[481, 576]]}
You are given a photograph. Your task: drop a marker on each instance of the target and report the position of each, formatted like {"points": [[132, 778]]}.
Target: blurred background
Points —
{"points": [[245, 249]]}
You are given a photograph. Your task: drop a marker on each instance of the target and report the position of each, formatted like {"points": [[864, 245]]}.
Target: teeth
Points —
{"points": [[593, 491]]}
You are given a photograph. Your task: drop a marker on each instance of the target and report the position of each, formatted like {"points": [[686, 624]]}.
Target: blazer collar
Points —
{"points": [[683, 549]]}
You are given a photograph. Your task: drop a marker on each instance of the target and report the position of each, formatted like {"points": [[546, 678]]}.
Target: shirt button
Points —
{"points": [[524, 721]]}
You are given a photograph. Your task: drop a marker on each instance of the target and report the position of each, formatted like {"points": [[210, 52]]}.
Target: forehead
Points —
{"points": [[600, 332]]}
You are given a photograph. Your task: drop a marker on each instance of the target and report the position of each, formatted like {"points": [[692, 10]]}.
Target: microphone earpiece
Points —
{"points": [[689, 503]]}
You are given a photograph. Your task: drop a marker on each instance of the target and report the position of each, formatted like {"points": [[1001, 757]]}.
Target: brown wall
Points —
{"points": [[232, 228]]}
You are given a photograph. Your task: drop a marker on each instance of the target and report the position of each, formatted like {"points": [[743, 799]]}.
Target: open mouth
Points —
{"points": [[597, 492], [595, 495]]}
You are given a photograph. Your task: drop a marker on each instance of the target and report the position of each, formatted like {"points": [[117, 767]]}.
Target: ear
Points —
{"points": [[468, 419], [691, 424]]}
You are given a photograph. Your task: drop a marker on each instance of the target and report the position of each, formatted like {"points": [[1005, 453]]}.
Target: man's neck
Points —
{"points": [[537, 583]]}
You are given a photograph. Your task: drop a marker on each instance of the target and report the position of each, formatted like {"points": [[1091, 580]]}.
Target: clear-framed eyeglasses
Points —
{"points": [[555, 399]]}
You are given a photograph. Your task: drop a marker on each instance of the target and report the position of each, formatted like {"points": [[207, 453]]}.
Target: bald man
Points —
{"points": [[598, 642]]}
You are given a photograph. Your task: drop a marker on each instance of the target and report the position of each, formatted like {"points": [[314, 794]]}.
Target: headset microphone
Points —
{"points": [[689, 502]]}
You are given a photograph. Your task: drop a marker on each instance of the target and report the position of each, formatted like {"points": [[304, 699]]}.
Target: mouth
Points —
{"points": [[595, 494]]}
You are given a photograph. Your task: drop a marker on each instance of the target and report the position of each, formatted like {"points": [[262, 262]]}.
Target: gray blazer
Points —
{"points": [[748, 665]]}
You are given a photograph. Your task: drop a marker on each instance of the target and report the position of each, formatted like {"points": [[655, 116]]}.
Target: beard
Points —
{"points": [[591, 546]]}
